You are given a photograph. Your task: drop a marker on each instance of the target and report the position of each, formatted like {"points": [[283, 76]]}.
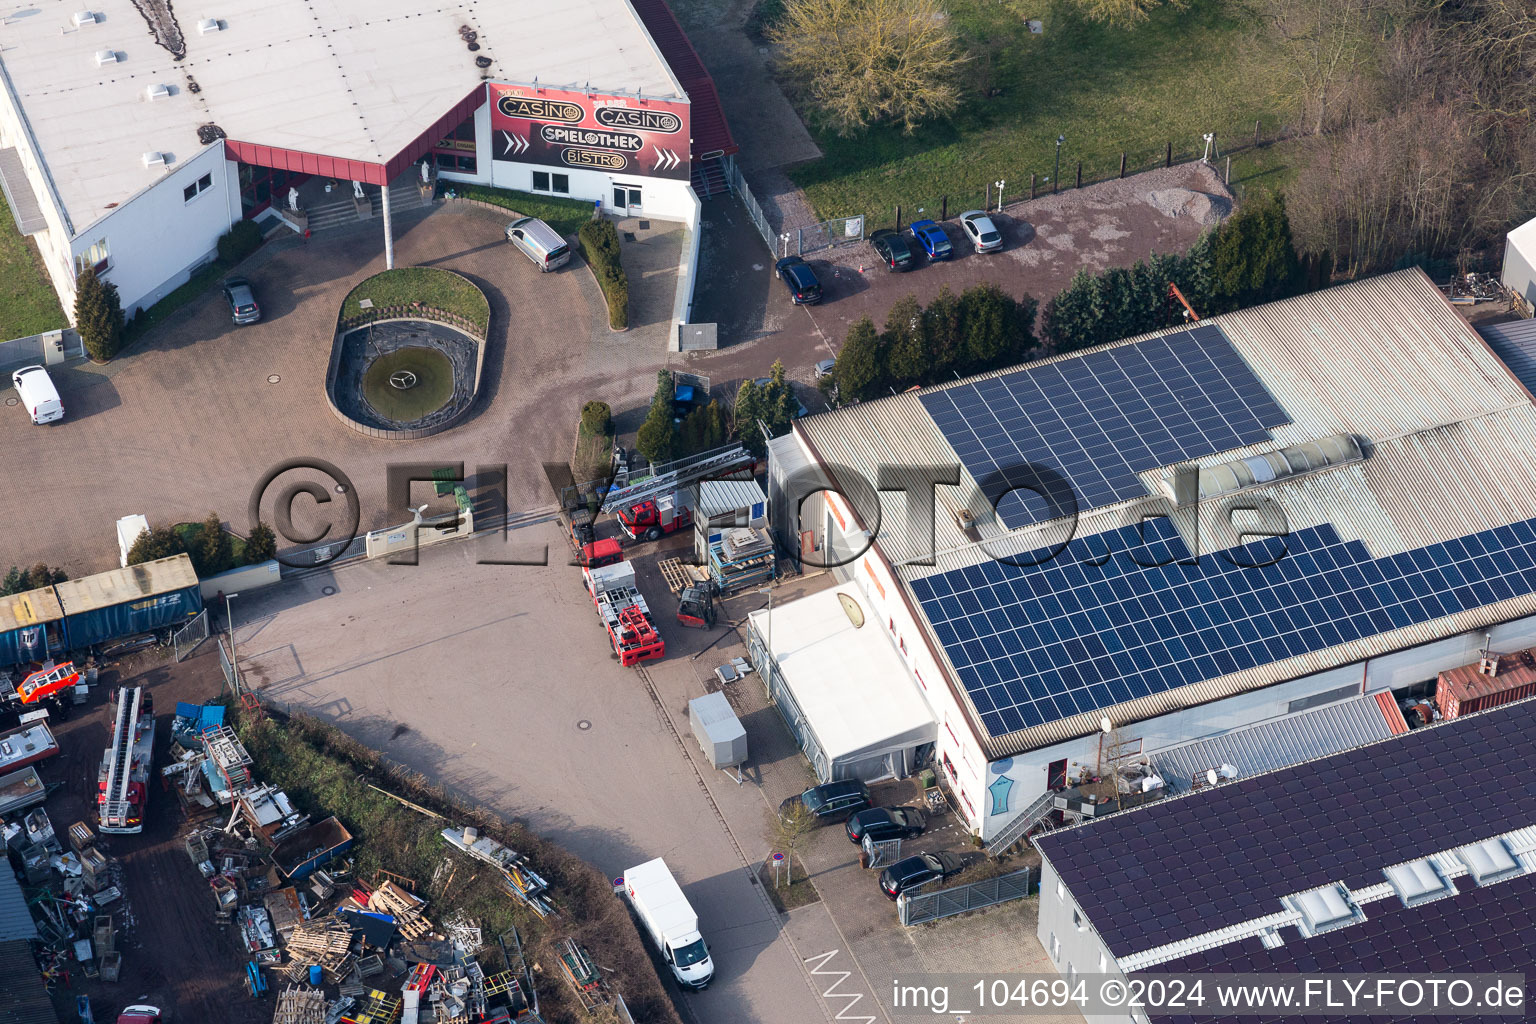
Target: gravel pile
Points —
{"points": [[1206, 209]]}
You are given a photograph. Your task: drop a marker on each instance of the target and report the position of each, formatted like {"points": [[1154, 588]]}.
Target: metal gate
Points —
{"points": [[227, 663], [882, 852], [917, 908], [829, 234], [186, 639]]}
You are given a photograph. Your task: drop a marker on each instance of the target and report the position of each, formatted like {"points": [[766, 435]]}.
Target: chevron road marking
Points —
{"points": [[820, 960]]}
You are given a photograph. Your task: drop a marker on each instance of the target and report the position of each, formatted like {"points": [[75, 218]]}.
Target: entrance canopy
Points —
{"points": [[849, 685]]}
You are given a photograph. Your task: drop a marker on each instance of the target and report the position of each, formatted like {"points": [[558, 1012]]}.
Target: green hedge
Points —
{"points": [[600, 248], [242, 239]]}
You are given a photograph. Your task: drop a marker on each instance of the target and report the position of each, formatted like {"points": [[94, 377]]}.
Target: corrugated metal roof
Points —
{"points": [[1451, 437], [1515, 343], [15, 919], [106, 589], [1276, 744], [23, 999], [717, 497], [29, 609]]}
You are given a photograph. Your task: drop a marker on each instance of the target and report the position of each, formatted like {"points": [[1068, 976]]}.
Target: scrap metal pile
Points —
{"points": [[520, 879]]}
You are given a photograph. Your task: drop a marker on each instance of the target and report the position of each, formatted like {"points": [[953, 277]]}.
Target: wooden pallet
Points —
{"points": [[392, 899], [297, 1005], [677, 574]]}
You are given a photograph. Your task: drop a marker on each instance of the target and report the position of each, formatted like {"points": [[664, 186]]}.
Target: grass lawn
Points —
{"points": [[437, 288], [564, 215], [1172, 78], [28, 304]]}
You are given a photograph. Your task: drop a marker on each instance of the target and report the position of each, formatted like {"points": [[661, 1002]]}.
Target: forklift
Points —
{"points": [[696, 606]]}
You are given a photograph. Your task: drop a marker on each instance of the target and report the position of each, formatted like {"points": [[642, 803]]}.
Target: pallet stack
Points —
{"points": [[327, 943], [404, 906], [296, 1005]]}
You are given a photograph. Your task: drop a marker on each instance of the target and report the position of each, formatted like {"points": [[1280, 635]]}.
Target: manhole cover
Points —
{"points": [[273, 378], [629, 236], [327, 591], [12, 400], [645, 225], [583, 725]]}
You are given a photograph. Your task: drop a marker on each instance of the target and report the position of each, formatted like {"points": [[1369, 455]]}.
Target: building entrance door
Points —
{"points": [[626, 200]]}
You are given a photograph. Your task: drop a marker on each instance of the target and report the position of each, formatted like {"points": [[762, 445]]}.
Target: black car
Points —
{"points": [[893, 249], [804, 289], [914, 871], [833, 800], [885, 823], [242, 301]]}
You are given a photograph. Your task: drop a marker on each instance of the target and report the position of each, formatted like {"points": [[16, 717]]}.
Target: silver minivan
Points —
{"points": [[38, 394], [539, 242]]}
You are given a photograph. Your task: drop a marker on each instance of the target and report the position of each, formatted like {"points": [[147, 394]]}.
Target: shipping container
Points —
{"points": [[26, 746], [1469, 688], [138, 599], [29, 626], [300, 854]]}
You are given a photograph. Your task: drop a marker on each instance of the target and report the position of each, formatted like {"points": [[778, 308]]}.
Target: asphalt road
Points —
{"points": [[503, 680]]}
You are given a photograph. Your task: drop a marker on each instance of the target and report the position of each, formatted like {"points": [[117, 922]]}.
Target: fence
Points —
{"points": [[49, 347], [829, 234], [186, 639], [749, 201], [921, 907], [882, 852], [227, 664]]}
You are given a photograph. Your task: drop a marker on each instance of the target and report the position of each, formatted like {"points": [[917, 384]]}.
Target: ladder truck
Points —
{"points": [[122, 783], [624, 613]]}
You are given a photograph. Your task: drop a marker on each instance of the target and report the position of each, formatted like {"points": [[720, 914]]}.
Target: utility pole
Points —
{"points": [[1056, 174]]}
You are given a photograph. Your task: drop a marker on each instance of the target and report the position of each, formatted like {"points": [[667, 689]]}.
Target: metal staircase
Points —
{"points": [[1021, 825], [115, 805], [672, 475], [708, 178]]}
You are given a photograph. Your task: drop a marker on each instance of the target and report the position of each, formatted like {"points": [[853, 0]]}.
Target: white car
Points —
{"points": [[981, 232]]}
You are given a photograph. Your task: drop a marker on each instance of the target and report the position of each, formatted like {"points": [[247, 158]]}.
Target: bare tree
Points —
{"points": [[866, 62], [1324, 48], [789, 829], [1124, 13]]}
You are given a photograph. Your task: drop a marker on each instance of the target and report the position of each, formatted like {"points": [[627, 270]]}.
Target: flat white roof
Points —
{"points": [[353, 79], [849, 680]]}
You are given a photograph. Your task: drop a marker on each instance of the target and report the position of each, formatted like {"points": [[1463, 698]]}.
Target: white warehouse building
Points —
{"points": [[1286, 518], [133, 135]]}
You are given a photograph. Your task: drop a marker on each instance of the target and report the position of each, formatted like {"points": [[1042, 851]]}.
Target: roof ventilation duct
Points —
{"points": [[1418, 882], [154, 158], [84, 18], [105, 57], [207, 25], [1490, 861], [157, 92], [1323, 910]]}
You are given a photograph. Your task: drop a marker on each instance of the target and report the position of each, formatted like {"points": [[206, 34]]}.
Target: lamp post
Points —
{"points": [[1056, 174], [999, 183], [769, 638], [234, 660]]}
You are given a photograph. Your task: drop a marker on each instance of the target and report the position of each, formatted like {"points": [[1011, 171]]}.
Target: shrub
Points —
{"points": [[858, 366], [655, 436], [242, 239], [98, 316], [160, 542], [599, 243], [596, 419], [261, 545], [211, 550], [19, 581]]}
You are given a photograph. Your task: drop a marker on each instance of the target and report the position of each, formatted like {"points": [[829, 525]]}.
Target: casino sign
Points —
{"points": [[563, 128]]}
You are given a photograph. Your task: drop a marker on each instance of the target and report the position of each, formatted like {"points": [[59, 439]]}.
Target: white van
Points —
{"points": [[38, 394], [670, 922], [539, 242]]}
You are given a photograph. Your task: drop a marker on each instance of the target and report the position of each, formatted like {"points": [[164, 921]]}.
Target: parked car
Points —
{"points": [[886, 823], [983, 234], [832, 800], [797, 275], [825, 368], [800, 409], [892, 249], [914, 871], [242, 301], [38, 395], [539, 242], [933, 239]]}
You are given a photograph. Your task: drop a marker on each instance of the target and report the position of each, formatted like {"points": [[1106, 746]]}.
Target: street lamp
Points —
{"points": [[1056, 174], [234, 660], [999, 183], [769, 639]]}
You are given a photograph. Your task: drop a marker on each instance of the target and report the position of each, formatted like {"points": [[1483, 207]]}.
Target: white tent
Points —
{"points": [[844, 689], [1520, 262]]}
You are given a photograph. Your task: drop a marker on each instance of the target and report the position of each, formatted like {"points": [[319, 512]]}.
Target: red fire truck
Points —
{"points": [[624, 613]]}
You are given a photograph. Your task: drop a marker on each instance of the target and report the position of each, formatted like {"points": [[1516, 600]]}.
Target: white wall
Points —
{"points": [[1072, 943], [53, 243], [157, 238], [1519, 274]]}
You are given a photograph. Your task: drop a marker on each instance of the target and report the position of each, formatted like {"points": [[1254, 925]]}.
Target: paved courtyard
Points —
{"points": [[192, 417]]}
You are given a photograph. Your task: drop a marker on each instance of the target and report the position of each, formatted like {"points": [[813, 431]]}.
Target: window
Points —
{"points": [[949, 768], [96, 257], [560, 183], [1071, 974], [1317, 700], [541, 181], [197, 188], [1103, 964], [1077, 919], [1061, 891], [1055, 947]]}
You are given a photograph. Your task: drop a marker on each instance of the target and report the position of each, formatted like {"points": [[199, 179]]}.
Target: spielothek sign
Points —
{"points": [[590, 131]]}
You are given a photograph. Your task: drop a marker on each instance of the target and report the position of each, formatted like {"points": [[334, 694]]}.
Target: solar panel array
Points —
{"points": [[1228, 855], [1102, 417], [1037, 643]]}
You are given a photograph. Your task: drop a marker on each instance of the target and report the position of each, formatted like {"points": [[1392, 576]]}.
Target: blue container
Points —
{"points": [[316, 976]]}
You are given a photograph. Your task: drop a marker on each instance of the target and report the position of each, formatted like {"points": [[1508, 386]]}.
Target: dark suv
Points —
{"points": [[914, 871], [885, 823], [800, 279], [834, 800], [892, 249]]}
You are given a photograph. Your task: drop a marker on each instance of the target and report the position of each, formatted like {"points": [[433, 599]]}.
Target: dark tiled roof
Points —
{"points": [[707, 120], [1484, 930], [1188, 866], [1515, 343], [23, 999], [15, 918]]}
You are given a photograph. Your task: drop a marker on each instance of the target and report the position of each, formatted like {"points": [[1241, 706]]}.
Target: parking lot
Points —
{"points": [[508, 694], [190, 419]]}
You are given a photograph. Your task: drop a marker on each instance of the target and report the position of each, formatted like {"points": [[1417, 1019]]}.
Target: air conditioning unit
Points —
{"points": [[154, 159], [84, 18], [207, 25], [105, 57], [157, 92]]}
